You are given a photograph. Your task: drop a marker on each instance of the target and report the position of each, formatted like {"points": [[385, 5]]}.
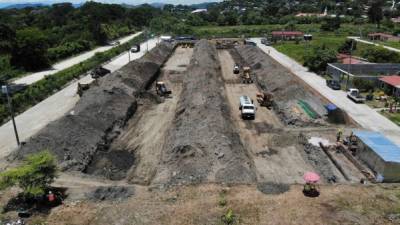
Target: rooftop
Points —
{"points": [[392, 80], [382, 146], [294, 33]]}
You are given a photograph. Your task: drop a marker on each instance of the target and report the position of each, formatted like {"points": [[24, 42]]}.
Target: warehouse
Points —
{"points": [[380, 154]]}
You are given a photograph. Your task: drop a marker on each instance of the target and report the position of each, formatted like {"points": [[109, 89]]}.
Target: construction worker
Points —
{"points": [[339, 135]]}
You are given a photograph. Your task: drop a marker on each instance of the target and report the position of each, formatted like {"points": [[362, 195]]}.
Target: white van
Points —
{"points": [[247, 108]]}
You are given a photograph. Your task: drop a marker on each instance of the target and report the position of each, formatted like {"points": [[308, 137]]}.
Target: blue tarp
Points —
{"points": [[382, 146], [331, 107]]}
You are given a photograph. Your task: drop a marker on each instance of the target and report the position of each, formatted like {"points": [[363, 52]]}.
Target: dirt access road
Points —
{"points": [[146, 132], [281, 163]]}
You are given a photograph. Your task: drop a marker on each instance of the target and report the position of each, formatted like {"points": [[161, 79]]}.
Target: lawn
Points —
{"points": [[393, 44], [394, 117], [297, 51]]}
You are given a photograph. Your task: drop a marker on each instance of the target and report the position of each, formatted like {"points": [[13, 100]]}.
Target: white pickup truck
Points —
{"points": [[247, 108], [354, 94]]}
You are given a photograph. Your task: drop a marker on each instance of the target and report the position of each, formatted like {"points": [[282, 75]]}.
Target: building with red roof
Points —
{"points": [[287, 35], [392, 83], [347, 59]]}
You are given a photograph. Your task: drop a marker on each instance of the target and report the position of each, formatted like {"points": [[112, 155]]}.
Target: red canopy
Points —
{"points": [[311, 177]]}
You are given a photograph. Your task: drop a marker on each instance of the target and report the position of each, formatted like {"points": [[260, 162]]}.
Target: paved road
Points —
{"points": [[372, 43], [365, 116], [54, 107], [32, 78]]}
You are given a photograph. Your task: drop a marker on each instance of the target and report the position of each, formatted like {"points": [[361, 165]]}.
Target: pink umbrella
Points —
{"points": [[311, 177]]}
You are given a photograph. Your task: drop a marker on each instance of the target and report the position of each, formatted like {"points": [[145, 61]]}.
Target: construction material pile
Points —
{"points": [[295, 104], [81, 139], [202, 144]]}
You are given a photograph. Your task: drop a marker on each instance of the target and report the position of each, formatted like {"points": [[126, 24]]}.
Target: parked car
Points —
{"points": [[265, 41], [99, 72], [135, 49], [248, 42], [334, 84]]}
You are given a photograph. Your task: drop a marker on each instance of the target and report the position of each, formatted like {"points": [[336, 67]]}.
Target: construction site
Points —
{"points": [[168, 133]]}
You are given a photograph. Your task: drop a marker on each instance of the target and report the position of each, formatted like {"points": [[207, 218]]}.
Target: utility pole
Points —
{"points": [[5, 90], [349, 65], [129, 55], [147, 40]]}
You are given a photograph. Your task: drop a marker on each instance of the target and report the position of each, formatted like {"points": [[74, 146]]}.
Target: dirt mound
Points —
{"points": [[202, 144], [112, 193], [81, 139], [273, 188], [295, 104]]}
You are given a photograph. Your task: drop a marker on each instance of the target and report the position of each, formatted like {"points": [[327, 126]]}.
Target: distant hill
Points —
{"points": [[22, 5], [203, 5]]}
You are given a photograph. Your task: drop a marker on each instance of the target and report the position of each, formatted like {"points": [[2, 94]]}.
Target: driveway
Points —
{"points": [[365, 116], [32, 78], [55, 106]]}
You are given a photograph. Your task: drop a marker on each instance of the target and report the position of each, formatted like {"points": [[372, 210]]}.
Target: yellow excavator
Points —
{"points": [[246, 78]]}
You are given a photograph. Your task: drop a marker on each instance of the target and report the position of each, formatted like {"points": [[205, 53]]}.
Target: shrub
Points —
{"points": [[363, 84], [34, 176], [318, 59]]}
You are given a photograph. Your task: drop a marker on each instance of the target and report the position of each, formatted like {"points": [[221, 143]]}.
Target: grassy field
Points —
{"points": [[393, 44], [262, 30], [394, 117]]}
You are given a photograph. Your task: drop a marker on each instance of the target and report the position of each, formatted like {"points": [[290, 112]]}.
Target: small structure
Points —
{"points": [[396, 20], [380, 154], [199, 11], [392, 83], [382, 37], [325, 13], [347, 59], [287, 35]]}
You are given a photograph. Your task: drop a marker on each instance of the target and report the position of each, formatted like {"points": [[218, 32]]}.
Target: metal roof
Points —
{"points": [[382, 146]]}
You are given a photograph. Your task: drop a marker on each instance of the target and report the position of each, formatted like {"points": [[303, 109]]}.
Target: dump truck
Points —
{"points": [[246, 78], [247, 108], [265, 99], [354, 94], [161, 89]]}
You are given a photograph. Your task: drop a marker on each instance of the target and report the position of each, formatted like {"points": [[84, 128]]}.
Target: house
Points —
{"points": [[396, 20], [287, 35], [347, 59], [392, 83], [380, 154], [313, 14], [199, 11], [382, 37]]}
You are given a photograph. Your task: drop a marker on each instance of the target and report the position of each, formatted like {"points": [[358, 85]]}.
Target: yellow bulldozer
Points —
{"points": [[265, 99], [246, 77]]}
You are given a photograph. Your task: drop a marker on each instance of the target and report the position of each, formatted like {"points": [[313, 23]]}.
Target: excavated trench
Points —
{"points": [[81, 139]]}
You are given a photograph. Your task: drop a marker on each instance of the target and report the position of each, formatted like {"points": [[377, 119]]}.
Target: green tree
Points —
{"points": [[30, 50], [375, 12], [34, 176], [380, 55], [347, 46], [331, 24], [7, 37], [319, 58]]}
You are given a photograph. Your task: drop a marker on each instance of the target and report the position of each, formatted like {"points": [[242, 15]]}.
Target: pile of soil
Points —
{"points": [[202, 144], [111, 193], [81, 139], [287, 89]]}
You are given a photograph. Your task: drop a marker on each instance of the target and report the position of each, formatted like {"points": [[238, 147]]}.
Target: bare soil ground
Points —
{"points": [[201, 205], [190, 158], [145, 133]]}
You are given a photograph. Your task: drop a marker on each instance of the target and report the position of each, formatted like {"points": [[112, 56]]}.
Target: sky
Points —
{"points": [[131, 2]]}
